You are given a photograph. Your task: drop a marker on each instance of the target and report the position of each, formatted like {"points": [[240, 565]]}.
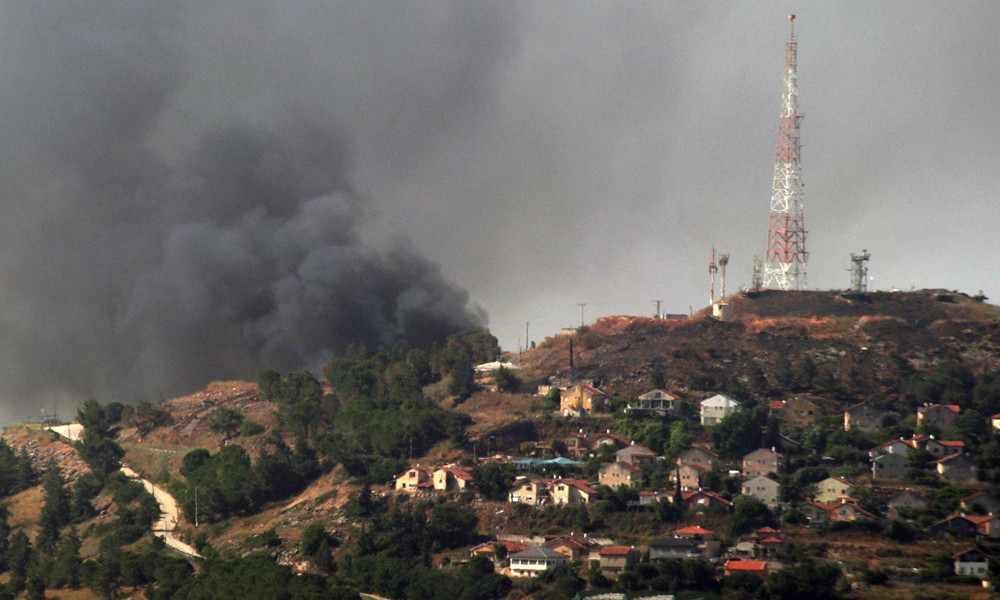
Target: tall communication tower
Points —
{"points": [[785, 263]]}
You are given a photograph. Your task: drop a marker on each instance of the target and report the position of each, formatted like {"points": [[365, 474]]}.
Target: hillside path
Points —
{"points": [[165, 526]]}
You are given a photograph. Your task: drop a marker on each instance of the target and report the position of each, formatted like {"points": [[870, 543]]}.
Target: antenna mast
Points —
{"points": [[712, 270], [785, 263]]}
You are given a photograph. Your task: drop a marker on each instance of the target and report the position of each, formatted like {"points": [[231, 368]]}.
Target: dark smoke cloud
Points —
{"points": [[130, 275]]}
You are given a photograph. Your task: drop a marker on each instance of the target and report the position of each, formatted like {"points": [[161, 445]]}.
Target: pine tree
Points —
{"points": [[56, 510]]}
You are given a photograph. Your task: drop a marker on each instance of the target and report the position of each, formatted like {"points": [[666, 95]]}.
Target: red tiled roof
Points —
{"points": [[979, 520], [771, 540], [746, 565], [694, 529], [767, 530], [460, 473], [579, 484], [592, 390], [967, 551], [615, 550], [777, 404], [952, 443]]}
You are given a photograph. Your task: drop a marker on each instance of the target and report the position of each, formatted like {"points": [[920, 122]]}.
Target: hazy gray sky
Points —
{"points": [[192, 189]]}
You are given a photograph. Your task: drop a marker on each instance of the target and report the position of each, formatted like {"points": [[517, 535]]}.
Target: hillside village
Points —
{"points": [[777, 455], [900, 483]]}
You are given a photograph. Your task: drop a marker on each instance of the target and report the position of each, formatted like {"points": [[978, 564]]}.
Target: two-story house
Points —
{"points": [[581, 400], [762, 461], [716, 408], [864, 417], [832, 489], [764, 489]]}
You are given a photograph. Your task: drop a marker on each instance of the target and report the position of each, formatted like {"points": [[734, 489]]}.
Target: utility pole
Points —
{"points": [[581, 305], [527, 344]]}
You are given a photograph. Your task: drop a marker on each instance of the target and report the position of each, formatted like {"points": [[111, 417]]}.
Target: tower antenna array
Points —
{"points": [[859, 272], [785, 262], [723, 261], [712, 270]]}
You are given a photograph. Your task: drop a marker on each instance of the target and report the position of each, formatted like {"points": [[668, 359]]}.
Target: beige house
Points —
{"points": [[530, 491], [616, 559], [617, 474], [690, 476], [580, 400], [703, 457], [413, 480], [636, 454], [832, 489], [572, 491], [942, 416], [958, 468], [716, 408], [452, 479], [764, 489], [863, 417], [800, 411], [761, 462]]}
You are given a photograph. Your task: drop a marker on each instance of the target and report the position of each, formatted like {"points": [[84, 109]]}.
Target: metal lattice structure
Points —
{"points": [[785, 262], [859, 272]]}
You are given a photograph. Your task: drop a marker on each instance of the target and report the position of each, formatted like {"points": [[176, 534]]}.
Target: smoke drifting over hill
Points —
{"points": [[127, 274]]}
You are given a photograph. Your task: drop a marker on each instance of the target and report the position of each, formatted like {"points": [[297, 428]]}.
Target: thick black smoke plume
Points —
{"points": [[129, 275]]}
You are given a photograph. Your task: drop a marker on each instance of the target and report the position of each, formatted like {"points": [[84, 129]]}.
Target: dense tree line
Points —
{"points": [[229, 482]]}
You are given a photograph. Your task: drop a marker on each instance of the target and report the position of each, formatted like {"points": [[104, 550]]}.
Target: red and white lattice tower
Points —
{"points": [[785, 263]]}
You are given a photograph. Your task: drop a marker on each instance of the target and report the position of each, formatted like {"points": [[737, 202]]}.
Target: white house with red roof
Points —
{"points": [[452, 479], [971, 562]]}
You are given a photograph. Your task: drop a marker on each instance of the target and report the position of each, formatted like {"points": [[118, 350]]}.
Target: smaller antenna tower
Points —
{"points": [[723, 261], [758, 277], [712, 270], [658, 314], [859, 272]]}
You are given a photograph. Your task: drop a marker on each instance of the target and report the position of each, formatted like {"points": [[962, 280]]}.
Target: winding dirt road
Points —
{"points": [[165, 526]]}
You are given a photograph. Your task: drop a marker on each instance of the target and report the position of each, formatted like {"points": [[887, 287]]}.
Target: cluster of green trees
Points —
{"points": [[229, 482], [393, 555], [376, 416], [16, 471]]}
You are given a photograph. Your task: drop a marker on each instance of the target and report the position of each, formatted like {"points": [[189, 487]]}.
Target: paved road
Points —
{"points": [[165, 526]]}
